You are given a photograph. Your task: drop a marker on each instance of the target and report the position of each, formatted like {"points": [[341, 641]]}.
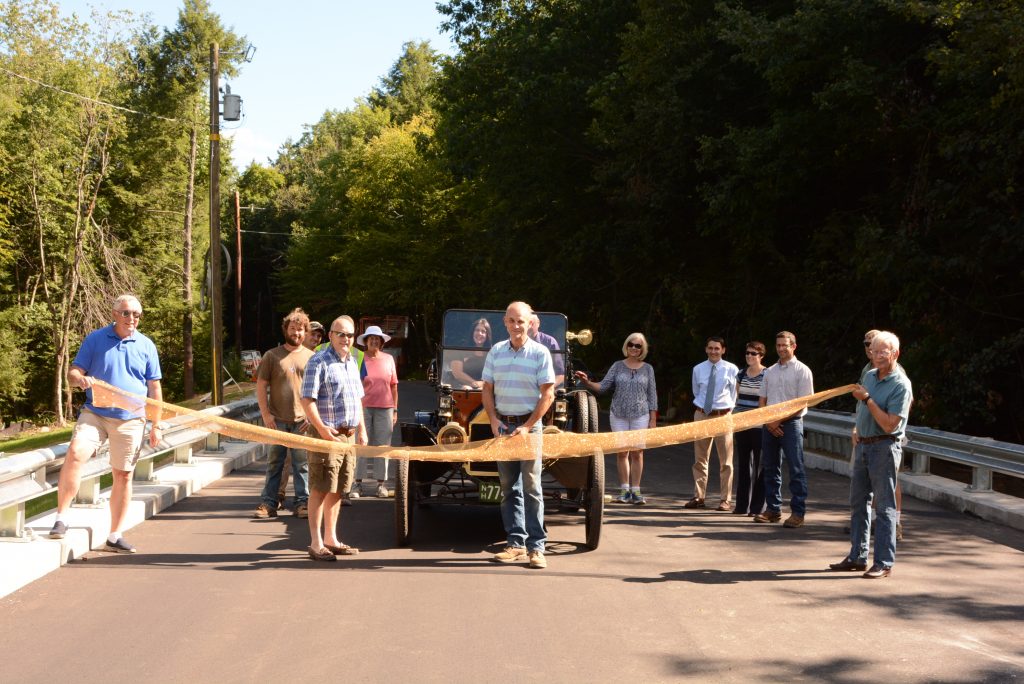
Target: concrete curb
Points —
{"points": [[26, 560], [949, 494]]}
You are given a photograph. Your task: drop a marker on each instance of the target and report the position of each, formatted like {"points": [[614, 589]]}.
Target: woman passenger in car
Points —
{"points": [[470, 368]]}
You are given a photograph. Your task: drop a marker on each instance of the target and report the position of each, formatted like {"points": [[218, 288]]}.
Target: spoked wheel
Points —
{"points": [[404, 502], [595, 499]]}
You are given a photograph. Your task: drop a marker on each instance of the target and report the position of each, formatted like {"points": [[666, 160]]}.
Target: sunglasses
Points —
{"points": [[127, 313], [343, 334], [634, 345], [867, 343], [752, 353]]}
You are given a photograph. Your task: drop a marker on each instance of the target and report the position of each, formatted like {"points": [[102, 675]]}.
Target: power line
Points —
{"points": [[90, 99]]}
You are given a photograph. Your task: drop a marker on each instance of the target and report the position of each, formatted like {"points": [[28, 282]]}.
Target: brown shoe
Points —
{"points": [[768, 517], [511, 554], [877, 572], [264, 511], [794, 521], [847, 564], [537, 560], [694, 503], [301, 511], [724, 506], [323, 554], [342, 550]]}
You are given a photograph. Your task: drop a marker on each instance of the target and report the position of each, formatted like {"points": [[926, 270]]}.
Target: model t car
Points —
{"points": [[571, 485]]}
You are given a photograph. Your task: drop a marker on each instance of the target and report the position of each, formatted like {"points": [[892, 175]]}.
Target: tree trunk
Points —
{"points": [[186, 276]]}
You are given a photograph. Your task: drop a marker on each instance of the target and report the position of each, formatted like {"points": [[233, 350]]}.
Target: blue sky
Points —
{"points": [[311, 56]]}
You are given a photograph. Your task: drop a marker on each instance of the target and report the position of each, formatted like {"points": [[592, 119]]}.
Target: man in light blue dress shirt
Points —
{"points": [[714, 395]]}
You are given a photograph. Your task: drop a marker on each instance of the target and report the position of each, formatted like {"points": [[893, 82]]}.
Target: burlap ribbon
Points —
{"points": [[560, 445]]}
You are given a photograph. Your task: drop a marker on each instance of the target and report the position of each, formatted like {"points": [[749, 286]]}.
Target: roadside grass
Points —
{"points": [[35, 440]]}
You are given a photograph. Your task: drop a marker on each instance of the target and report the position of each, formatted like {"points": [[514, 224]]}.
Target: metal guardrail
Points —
{"points": [[28, 476], [829, 431]]}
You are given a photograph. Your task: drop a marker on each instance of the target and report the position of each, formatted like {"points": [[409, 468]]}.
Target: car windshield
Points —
{"points": [[469, 333]]}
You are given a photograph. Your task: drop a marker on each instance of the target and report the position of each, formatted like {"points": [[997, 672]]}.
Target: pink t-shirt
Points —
{"points": [[381, 376]]}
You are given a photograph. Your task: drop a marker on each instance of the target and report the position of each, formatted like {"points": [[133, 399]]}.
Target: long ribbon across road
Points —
{"points": [[560, 445]]}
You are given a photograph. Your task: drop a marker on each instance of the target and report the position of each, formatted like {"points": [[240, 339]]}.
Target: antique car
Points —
{"points": [[571, 485]]}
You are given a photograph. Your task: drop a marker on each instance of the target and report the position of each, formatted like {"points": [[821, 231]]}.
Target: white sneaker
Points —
{"points": [[382, 491], [354, 494]]}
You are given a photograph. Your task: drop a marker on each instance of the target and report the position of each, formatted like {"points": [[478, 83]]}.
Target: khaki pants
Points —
{"points": [[702, 454]]}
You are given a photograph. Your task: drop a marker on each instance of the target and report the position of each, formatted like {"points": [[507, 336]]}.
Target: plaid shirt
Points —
{"points": [[336, 387]]}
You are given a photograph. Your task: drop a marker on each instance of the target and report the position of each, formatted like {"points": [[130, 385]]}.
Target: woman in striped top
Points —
{"points": [[747, 443]]}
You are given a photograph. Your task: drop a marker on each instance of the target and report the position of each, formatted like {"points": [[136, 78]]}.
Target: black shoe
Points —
{"points": [[120, 546], [58, 530], [847, 564], [877, 572]]}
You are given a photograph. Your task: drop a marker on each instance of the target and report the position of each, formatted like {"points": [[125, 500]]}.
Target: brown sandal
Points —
{"points": [[323, 554], [342, 550]]}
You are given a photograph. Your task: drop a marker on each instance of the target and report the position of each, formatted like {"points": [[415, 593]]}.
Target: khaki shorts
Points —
{"points": [[331, 472], [124, 437]]}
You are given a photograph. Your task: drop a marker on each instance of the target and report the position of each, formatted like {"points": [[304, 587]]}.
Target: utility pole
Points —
{"points": [[216, 316], [238, 276]]}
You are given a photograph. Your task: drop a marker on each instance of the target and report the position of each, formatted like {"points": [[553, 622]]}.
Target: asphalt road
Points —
{"points": [[671, 595]]}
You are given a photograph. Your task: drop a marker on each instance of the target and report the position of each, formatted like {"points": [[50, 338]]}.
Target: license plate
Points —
{"points": [[490, 492]]}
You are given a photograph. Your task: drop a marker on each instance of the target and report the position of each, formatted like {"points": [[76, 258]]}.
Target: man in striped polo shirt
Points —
{"points": [[519, 386]]}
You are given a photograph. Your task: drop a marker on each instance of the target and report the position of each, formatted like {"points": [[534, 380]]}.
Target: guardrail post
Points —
{"points": [[12, 520], [981, 480], [143, 470], [183, 455], [921, 462], [89, 491]]}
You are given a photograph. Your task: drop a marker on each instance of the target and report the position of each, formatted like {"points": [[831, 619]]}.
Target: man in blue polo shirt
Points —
{"points": [[519, 386], [120, 355], [884, 400]]}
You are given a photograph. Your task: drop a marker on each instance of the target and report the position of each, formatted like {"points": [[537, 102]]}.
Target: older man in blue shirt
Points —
{"points": [[120, 355], [884, 406], [519, 386], [331, 393]]}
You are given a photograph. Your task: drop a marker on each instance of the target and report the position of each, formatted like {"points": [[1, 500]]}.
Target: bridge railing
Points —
{"points": [[28, 476], [829, 432]]}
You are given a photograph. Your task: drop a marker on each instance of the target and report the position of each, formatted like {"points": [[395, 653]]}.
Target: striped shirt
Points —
{"points": [[517, 375], [336, 387], [748, 391]]}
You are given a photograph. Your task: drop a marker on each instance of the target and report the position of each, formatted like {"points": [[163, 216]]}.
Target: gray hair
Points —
{"points": [[888, 339]]}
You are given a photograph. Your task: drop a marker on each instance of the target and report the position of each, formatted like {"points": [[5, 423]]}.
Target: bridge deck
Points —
{"points": [[214, 595]]}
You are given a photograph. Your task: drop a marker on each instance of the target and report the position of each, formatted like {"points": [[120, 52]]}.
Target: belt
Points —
{"points": [[879, 438], [518, 420], [715, 412], [347, 431]]}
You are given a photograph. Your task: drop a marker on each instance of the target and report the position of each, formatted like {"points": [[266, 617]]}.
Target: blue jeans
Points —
{"points": [[874, 477], [522, 499], [792, 443], [275, 465]]}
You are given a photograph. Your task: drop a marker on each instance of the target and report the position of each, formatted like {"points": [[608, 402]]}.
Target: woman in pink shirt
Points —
{"points": [[380, 403]]}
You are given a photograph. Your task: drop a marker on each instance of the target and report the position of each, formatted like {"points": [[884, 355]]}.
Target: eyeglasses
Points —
{"points": [[340, 333], [634, 345], [128, 313], [751, 353]]}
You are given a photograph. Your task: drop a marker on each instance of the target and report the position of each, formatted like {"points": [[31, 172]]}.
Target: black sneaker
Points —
{"points": [[58, 530], [120, 546]]}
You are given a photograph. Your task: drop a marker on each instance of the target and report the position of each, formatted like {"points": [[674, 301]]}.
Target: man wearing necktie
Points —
{"points": [[714, 395]]}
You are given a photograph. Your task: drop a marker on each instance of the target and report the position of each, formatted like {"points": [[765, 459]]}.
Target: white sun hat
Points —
{"points": [[372, 330]]}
